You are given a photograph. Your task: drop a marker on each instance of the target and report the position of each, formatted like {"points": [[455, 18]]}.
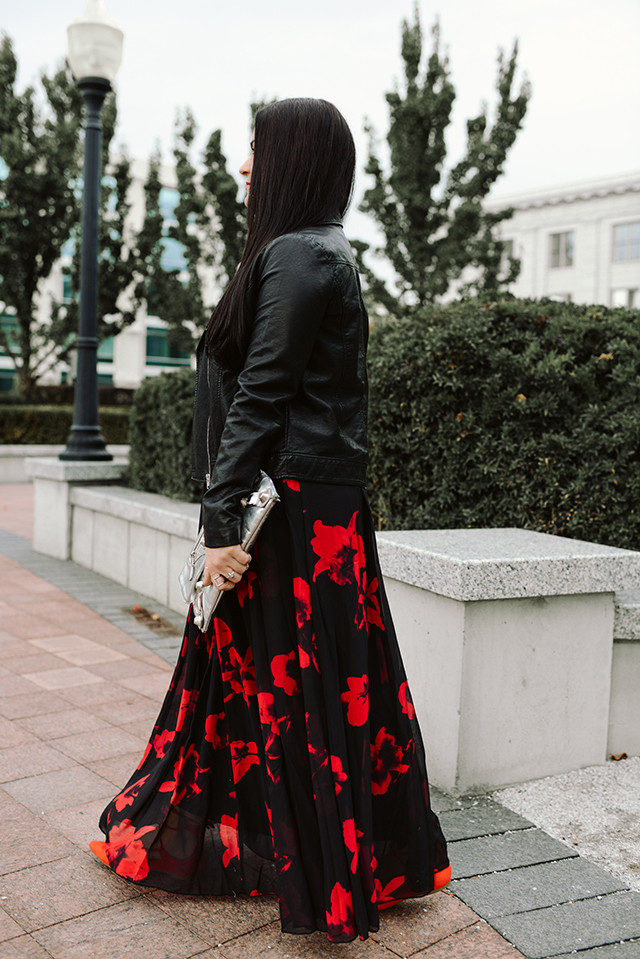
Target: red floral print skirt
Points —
{"points": [[287, 758]]}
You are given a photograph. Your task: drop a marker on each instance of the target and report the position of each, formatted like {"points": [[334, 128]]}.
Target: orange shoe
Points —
{"points": [[99, 849], [441, 878]]}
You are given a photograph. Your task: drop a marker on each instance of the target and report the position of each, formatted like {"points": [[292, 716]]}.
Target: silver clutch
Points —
{"points": [[255, 509]]}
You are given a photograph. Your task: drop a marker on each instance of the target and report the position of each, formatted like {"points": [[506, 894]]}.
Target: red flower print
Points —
{"points": [[302, 598], [405, 700], [340, 551], [386, 762], [292, 484], [124, 842], [215, 730], [185, 775], [243, 756], [229, 839], [351, 842], [241, 675], [144, 757], [283, 668], [244, 589], [386, 894], [187, 706], [339, 775], [222, 633], [161, 740], [357, 699], [340, 916], [373, 605], [128, 795]]}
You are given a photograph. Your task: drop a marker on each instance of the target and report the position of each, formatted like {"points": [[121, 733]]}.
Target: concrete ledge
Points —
{"points": [[15, 456], [627, 617], [147, 509], [76, 471], [476, 564]]}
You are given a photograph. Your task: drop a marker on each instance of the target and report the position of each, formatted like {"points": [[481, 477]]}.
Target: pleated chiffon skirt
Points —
{"points": [[287, 758]]}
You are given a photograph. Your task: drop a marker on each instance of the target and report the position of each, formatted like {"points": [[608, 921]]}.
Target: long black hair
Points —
{"points": [[303, 170]]}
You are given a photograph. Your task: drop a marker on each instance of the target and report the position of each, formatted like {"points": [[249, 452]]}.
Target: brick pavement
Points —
{"points": [[81, 680]]}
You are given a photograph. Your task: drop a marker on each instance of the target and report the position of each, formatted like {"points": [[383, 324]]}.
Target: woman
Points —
{"points": [[287, 758]]}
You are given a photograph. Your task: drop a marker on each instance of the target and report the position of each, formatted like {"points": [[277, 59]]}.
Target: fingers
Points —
{"points": [[225, 566]]}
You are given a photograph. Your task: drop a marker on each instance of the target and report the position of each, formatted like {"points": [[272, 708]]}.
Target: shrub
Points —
{"points": [[516, 413], [52, 424], [160, 436]]}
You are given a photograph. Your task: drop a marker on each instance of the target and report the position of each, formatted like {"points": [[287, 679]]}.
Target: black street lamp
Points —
{"points": [[95, 52]]}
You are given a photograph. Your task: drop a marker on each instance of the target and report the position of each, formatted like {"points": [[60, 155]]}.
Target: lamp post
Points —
{"points": [[95, 52]]}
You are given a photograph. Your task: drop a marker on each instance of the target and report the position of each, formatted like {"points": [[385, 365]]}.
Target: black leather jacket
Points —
{"points": [[298, 409]]}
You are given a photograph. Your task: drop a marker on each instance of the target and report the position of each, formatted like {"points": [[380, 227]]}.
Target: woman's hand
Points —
{"points": [[224, 566]]}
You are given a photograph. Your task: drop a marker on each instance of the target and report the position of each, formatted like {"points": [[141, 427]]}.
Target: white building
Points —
{"points": [[577, 242]]}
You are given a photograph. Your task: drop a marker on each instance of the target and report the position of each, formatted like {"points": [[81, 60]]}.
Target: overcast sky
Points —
{"points": [[580, 55]]}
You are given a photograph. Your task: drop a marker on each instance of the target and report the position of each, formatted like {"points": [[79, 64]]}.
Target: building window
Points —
{"points": [[626, 241], [173, 258], [561, 249], [161, 353], [9, 325], [67, 288], [626, 298], [105, 350]]}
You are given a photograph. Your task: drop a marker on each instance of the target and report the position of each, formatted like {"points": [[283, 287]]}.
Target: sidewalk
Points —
{"points": [[82, 675]]}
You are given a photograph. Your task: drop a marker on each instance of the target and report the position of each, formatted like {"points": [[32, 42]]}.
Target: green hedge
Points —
{"points": [[518, 413], [160, 436], [51, 424]]}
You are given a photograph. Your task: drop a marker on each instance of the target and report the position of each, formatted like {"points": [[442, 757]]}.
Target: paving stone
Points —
{"points": [[57, 891], [31, 664], [270, 943], [30, 759], [97, 745], [416, 923], [138, 926], [19, 707], [441, 802], [78, 823], [619, 950], [25, 840], [573, 925], [473, 857], [12, 735], [55, 790], [23, 948], [475, 942], [480, 820], [10, 808], [218, 919], [130, 709], [534, 887], [119, 769], [64, 722], [9, 928], [61, 678]]}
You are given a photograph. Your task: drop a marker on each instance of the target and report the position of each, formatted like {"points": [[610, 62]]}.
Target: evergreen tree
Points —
{"points": [[208, 222], [432, 220], [39, 207]]}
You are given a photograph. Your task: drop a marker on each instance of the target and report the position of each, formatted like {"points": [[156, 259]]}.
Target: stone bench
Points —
{"points": [[507, 637]]}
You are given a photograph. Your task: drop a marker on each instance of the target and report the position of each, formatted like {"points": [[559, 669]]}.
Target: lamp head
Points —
{"points": [[95, 43]]}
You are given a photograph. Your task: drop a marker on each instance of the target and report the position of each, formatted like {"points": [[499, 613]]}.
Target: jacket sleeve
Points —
{"points": [[295, 280]]}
